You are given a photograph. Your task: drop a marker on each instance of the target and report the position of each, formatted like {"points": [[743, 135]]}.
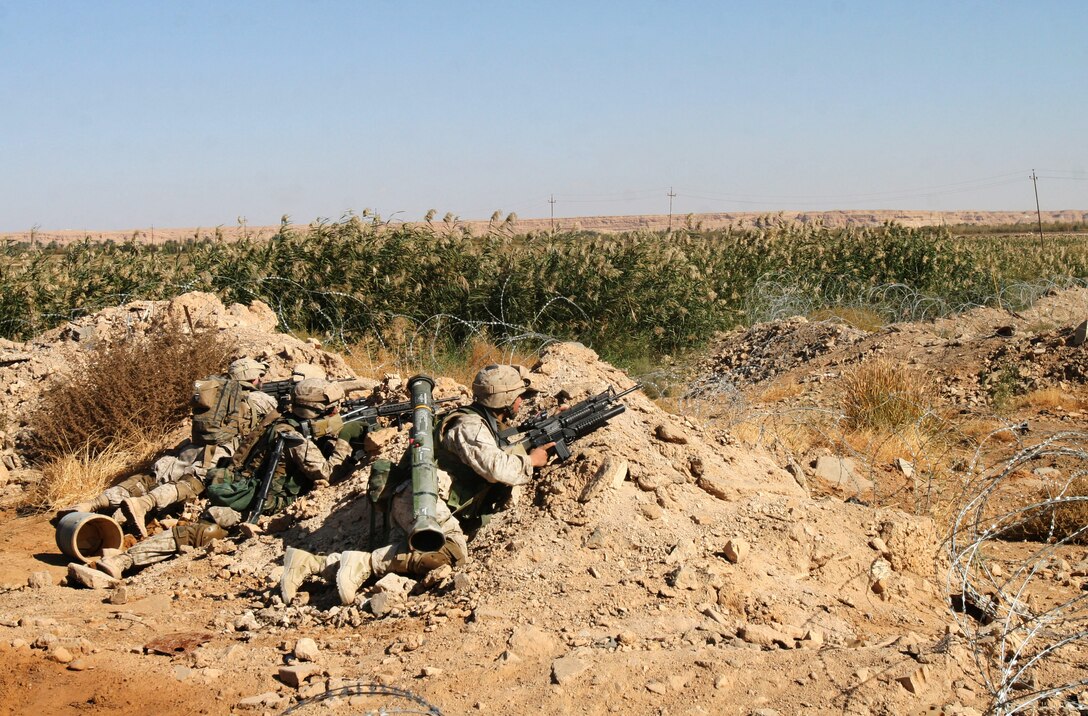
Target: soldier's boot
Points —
{"points": [[298, 565], [93, 505], [115, 566], [355, 568], [135, 510]]}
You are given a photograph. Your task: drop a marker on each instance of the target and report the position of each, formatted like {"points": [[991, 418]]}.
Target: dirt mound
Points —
{"points": [[663, 568], [766, 350]]}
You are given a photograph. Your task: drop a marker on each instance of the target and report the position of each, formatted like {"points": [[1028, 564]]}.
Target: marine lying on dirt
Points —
{"points": [[316, 447], [476, 471], [226, 411]]}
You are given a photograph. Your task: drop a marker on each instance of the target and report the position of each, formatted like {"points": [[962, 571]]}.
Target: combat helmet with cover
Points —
{"points": [[314, 397], [498, 386]]}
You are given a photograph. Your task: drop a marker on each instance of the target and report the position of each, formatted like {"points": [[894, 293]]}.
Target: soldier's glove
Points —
{"points": [[353, 432], [324, 427]]}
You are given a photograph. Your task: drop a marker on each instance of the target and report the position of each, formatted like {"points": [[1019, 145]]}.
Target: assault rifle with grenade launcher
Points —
{"points": [[567, 426]]}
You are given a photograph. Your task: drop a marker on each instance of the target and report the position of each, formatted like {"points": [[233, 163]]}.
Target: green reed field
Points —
{"points": [[630, 296]]}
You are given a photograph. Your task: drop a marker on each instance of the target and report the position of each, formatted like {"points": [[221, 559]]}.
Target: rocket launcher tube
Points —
{"points": [[426, 534]]}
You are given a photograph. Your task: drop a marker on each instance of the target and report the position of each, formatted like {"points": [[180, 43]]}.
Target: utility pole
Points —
{"points": [[1038, 211], [551, 200], [671, 196]]}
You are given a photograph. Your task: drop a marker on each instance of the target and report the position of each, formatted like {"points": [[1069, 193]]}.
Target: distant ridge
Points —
{"points": [[607, 224]]}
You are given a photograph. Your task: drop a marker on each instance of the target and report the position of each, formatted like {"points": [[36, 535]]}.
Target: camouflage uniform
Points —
{"points": [[471, 462], [302, 465], [181, 477]]}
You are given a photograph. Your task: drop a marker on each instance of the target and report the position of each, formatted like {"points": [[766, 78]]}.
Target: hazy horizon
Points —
{"points": [[123, 115]]}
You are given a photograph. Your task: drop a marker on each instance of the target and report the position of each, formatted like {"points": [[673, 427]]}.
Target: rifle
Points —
{"points": [[267, 472], [359, 411], [281, 390], [569, 425]]}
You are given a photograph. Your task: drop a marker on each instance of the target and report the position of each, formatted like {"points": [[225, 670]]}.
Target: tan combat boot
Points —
{"points": [[98, 503], [135, 510], [298, 564], [354, 570], [115, 566]]}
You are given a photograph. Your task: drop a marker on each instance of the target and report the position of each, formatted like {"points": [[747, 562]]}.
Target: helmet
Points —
{"points": [[498, 386], [302, 371], [247, 369], [313, 397]]}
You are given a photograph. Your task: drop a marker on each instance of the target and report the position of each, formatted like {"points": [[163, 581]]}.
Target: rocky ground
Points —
{"points": [[667, 568]]}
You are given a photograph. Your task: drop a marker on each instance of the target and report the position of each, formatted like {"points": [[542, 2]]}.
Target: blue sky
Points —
{"points": [[120, 115]]}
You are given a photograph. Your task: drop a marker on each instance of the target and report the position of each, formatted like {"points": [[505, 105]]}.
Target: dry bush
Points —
{"points": [[124, 392], [1063, 514], [882, 395]]}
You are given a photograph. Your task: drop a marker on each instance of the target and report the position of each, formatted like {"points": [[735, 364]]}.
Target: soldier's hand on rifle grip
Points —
{"points": [[538, 456]]}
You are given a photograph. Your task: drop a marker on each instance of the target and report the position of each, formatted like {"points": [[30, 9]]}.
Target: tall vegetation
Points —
{"points": [[627, 295]]}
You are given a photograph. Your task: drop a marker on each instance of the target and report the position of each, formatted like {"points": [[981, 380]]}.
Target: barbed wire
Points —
{"points": [[383, 700]]}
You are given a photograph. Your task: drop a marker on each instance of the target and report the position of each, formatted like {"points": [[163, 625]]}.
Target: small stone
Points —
{"points": [[268, 699], [1079, 335], [916, 681], [862, 675], [119, 595], [656, 687], [651, 511], [382, 604], [296, 674], [182, 672], [764, 636], [723, 681], [667, 433], [18, 643], [377, 439], [246, 622], [735, 550], [78, 665], [39, 580], [462, 582], [531, 641], [609, 475], [567, 669], [83, 575], [878, 544], [627, 638], [61, 655], [429, 671], [306, 649]]}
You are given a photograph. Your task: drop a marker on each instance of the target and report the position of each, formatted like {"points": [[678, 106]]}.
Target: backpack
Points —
{"points": [[219, 410]]}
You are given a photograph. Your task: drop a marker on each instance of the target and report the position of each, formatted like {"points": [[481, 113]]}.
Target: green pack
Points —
{"points": [[226, 489]]}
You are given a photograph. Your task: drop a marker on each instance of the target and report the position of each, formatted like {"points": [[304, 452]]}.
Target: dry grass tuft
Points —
{"points": [[780, 390], [124, 392], [374, 360], [882, 395], [80, 475], [1049, 398], [1061, 520], [864, 319]]}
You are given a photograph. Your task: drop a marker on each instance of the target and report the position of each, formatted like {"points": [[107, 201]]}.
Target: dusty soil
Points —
{"points": [[667, 568], [605, 224]]}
